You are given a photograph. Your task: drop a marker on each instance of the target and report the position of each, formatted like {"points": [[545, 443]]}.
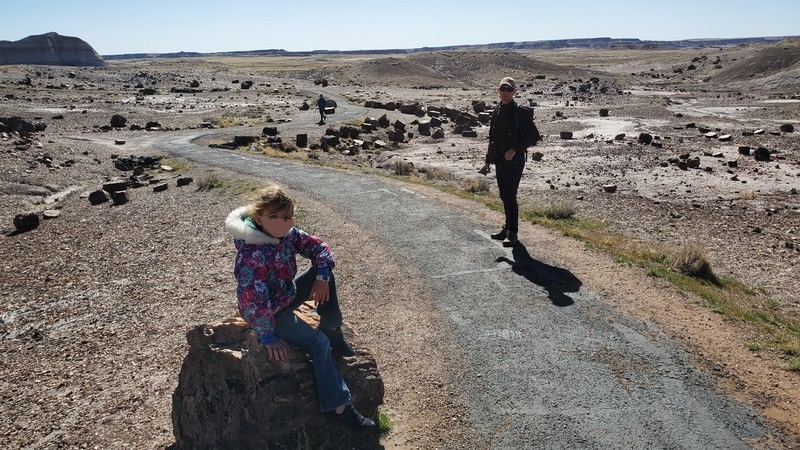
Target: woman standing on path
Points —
{"points": [[511, 132]]}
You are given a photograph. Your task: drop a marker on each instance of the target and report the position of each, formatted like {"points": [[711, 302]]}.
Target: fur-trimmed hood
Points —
{"points": [[239, 224]]}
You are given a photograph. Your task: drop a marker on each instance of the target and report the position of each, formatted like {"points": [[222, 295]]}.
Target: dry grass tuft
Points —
{"points": [[438, 173], [478, 186], [748, 195], [690, 260], [403, 168], [559, 211]]}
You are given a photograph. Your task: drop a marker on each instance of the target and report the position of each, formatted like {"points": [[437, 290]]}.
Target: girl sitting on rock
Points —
{"points": [[269, 290]]}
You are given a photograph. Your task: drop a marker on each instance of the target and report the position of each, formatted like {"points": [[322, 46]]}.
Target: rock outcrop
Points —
{"points": [[49, 49], [230, 394]]}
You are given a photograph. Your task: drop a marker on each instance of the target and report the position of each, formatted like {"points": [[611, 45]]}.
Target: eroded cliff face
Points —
{"points": [[49, 49]]}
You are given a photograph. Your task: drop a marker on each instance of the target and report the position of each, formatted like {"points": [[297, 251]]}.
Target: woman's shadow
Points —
{"points": [[555, 280]]}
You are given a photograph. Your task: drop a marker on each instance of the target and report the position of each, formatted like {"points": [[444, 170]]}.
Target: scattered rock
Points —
{"points": [[120, 197], [762, 154], [99, 196], [26, 222], [118, 121]]}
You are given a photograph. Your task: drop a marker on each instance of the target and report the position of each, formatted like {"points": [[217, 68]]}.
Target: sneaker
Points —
{"points": [[338, 344], [511, 240], [501, 235], [353, 420]]}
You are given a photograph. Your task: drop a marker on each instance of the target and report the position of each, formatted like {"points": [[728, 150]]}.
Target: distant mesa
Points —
{"points": [[50, 49]]}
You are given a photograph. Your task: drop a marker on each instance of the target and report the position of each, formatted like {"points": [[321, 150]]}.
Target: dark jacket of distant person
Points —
{"points": [[511, 126]]}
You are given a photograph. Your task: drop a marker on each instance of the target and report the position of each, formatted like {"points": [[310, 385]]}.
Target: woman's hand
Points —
{"points": [[510, 154], [484, 170], [277, 349], [320, 292]]}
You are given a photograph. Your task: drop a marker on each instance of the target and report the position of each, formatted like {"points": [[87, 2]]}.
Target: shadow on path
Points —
{"points": [[555, 280]]}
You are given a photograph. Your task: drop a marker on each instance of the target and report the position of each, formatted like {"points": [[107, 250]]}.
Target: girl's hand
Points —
{"points": [[320, 292], [277, 349]]}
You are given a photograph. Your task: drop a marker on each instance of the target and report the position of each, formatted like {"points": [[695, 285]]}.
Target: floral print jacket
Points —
{"points": [[265, 269]]}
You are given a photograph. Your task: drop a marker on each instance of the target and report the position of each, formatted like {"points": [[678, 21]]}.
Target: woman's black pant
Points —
{"points": [[509, 174]]}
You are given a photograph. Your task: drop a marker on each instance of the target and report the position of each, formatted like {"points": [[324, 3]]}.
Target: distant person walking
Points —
{"points": [[511, 132], [321, 104]]}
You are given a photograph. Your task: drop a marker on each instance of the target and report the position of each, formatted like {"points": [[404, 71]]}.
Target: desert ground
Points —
{"points": [[97, 299]]}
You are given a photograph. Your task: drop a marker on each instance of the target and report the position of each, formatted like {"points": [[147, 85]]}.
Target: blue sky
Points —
{"points": [[148, 26]]}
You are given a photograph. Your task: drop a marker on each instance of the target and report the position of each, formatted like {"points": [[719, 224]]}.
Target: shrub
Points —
{"points": [[403, 168], [690, 260], [559, 211], [478, 186], [438, 173], [384, 424], [208, 182], [289, 147]]}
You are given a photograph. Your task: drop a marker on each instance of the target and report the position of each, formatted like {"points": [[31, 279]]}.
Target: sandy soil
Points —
{"points": [[98, 288]]}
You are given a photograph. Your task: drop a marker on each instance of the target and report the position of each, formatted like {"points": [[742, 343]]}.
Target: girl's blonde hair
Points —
{"points": [[270, 200]]}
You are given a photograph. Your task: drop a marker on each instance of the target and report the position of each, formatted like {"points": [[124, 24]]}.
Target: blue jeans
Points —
{"points": [[331, 388], [509, 174]]}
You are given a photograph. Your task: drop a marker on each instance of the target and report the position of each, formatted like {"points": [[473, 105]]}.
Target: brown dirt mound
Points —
{"points": [[763, 62], [450, 68]]}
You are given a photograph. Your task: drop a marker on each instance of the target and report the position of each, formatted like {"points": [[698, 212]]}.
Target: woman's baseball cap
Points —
{"points": [[508, 81]]}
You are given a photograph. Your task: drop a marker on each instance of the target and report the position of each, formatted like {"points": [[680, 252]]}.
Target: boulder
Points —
{"points": [[120, 197], [99, 196], [118, 121], [645, 138], [230, 394], [26, 222], [424, 127], [762, 154]]}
